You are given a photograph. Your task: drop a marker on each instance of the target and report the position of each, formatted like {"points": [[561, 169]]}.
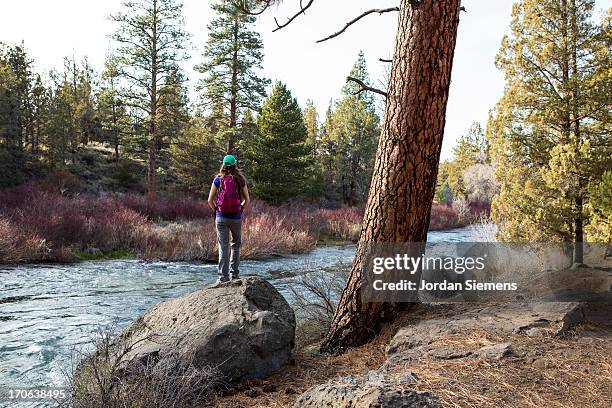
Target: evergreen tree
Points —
{"points": [[311, 121], [195, 156], [21, 113], [232, 55], [600, 208], [82, 82], [174, 114], [10, 154], [152, 42], [279, 158], [315, 183], [359, 71], [550, 133], [112, 110], [61, 125], [350, 142], [472, 148]]}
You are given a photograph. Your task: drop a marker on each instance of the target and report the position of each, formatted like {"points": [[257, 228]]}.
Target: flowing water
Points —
{"points": [[49, 313]]}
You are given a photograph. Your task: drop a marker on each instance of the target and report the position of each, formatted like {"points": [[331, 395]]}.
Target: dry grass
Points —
{"points": [[308, 369], [574, 370], [569, 371]]}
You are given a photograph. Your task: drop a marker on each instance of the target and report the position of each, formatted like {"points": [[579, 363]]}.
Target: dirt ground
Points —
{"points": [[569, 370]]}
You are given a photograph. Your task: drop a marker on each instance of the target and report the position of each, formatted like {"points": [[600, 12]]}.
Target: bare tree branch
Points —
{"points": [[296, 15], [356, 19], [245, 9], [365, 87], [385, 60]]}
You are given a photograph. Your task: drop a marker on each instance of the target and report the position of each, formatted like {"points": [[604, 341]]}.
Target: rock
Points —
{"points": [[93, 251], [495, 352], [538, 332], [244, 329], [449, 353], [425, 336], [374, 389]]}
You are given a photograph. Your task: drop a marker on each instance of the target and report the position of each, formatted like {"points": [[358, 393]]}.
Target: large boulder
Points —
{"points": [[372, 390], [242, 329]]}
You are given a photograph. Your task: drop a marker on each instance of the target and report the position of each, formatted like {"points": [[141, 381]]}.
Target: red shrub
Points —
{"points": [[344, 223], [443, 217], [170, 209]]}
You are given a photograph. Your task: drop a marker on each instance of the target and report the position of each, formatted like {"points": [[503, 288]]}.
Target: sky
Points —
{"points": [[52, 30]]}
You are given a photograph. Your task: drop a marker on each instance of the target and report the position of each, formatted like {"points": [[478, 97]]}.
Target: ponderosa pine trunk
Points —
{"points": [[231, 142], [406, 166], [152, 163]]}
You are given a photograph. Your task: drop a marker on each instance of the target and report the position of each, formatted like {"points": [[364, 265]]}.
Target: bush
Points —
{"points": [[314, 297], [17, 247], [48, 226], [443, 217], [40, 225], [62, 182], [169, 209], [343, 223], [103, 380]]}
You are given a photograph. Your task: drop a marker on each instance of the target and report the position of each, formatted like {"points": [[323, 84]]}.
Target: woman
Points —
{"points": [[229, 197]]}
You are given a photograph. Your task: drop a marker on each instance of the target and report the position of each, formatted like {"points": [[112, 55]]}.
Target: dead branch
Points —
{"points": [[356, 19], [365, 87], [245, 9], [296, 15], [385, 60]]}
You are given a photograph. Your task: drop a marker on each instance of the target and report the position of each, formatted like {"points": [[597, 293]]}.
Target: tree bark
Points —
{"points": [[231, 142], [578, 255], [152, 164], [406, 166]]}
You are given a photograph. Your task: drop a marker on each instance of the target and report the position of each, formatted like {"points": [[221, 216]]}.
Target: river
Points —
{"points": [[49, 313]]}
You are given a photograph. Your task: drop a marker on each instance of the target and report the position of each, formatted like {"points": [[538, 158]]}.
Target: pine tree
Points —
{"points": [[61, 125], [311, 121], [315, 184], [232, 55], [173, 116], [550, 132], [279, 158], [360, 72], [151, 43], [195, 156], [472, 148], [399, 203], [10, 153], [351, 141], [112, 110]]}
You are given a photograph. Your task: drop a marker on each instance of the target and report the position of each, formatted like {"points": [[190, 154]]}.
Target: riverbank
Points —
{"points": [[462, 365], [42, 226]]}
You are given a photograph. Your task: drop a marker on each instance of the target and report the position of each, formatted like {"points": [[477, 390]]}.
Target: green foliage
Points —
{"points": [[195, 157], [472, 148], [115, 122], [279, 158], [232, 55], [359, 71], [152, 42], [348, 144], [600, 227], [314, 185], [550, 131]]}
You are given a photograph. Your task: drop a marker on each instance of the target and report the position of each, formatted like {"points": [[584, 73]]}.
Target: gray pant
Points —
{"points": [[225, 226]]}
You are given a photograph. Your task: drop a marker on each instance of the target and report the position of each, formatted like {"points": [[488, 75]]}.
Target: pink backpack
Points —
{"points": [[228, 199]]}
